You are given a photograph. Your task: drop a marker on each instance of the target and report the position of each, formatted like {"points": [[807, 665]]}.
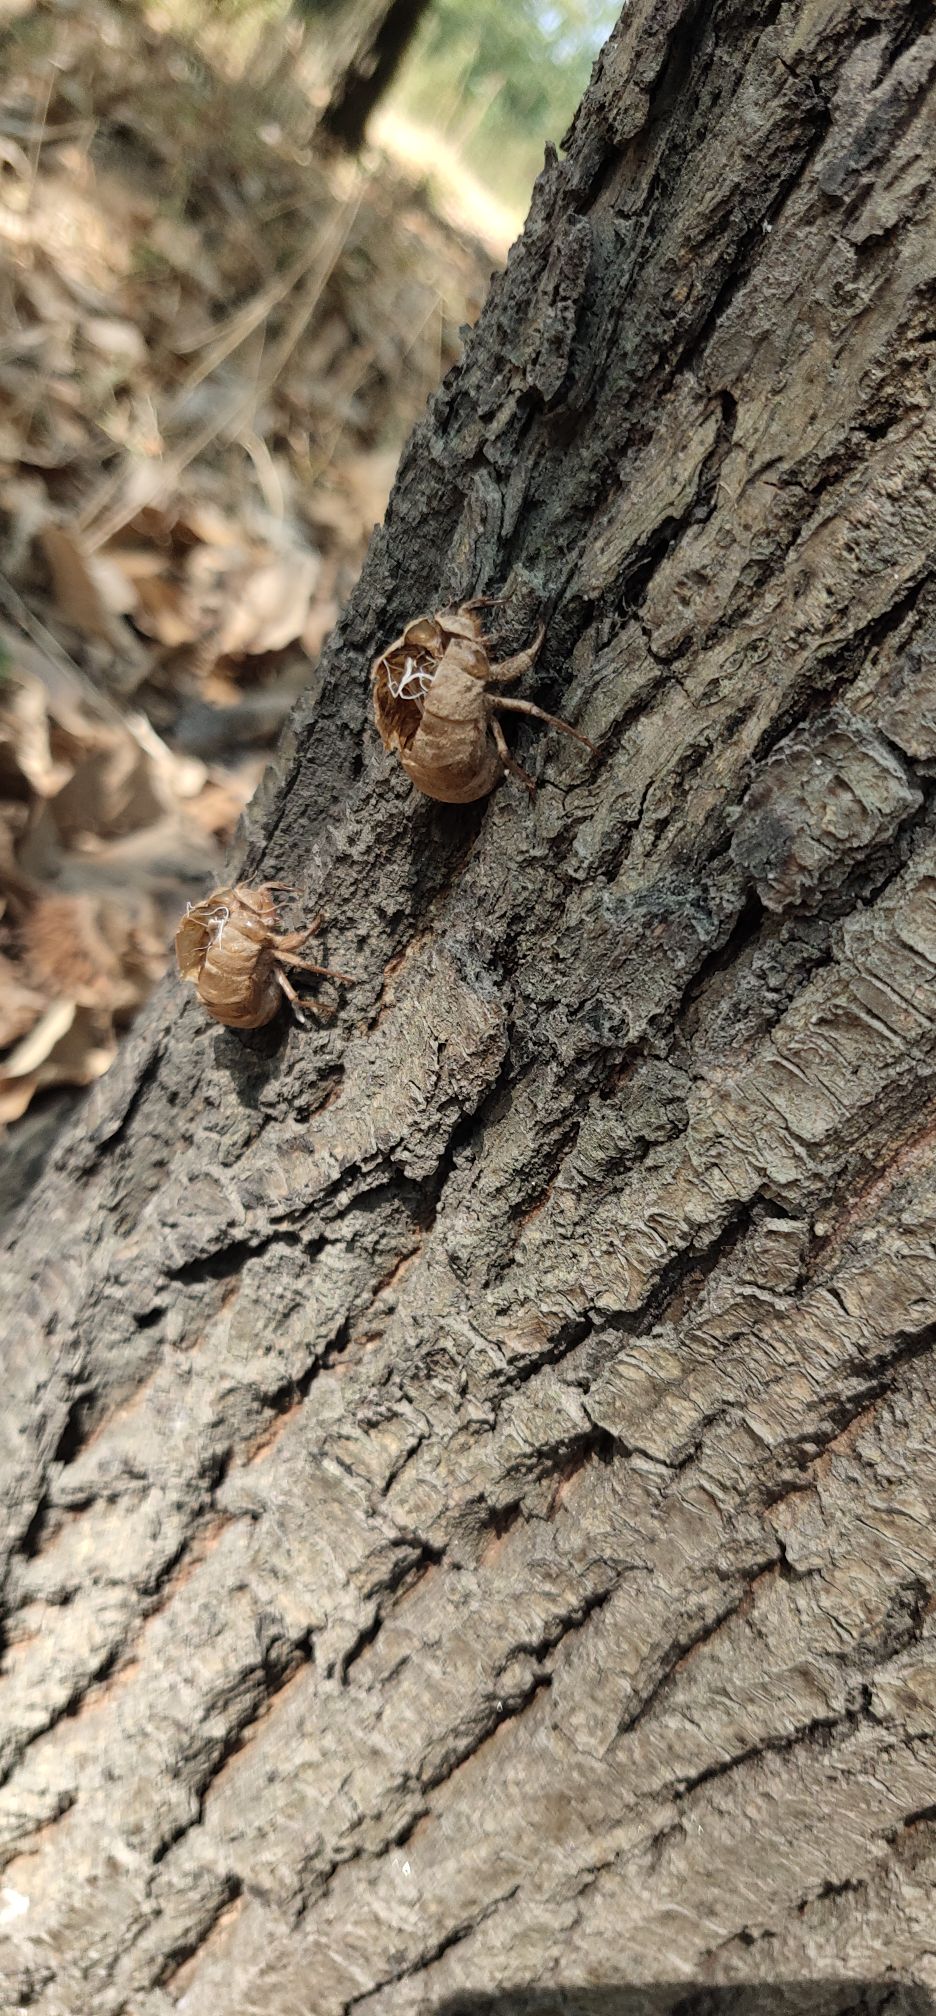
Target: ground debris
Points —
{"points": [[215, 344]]}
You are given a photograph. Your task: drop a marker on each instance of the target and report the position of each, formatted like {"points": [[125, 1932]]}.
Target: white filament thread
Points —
{"points": [[213, 921], [414, 683]]}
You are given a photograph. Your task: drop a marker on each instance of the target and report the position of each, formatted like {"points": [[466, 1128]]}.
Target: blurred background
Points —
{"points": [[238, 241]]}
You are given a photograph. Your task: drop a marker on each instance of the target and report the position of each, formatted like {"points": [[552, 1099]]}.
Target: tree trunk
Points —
{"points": [[469, 1468], [371, 41]]}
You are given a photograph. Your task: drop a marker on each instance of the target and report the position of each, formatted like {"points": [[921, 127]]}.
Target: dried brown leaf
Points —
{"points": [[203, 521], [77, 586], [116, 339], [164, 611], [322, 617], [93, 951], [16, 880], [166, 861], [68, 1046], [15, 1097], [20, 1005], [116, 789], [117, 593], [36, 1048], [271, 606], [370, 480], [220, 805], [27, 765]]}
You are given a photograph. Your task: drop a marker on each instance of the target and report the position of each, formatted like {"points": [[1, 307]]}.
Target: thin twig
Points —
{"points": [[78, 681], [38, 137], [349, 392], [240, 413]]}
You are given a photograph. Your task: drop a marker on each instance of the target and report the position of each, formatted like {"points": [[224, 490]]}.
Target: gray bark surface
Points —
{"points": [[468, 1471]]}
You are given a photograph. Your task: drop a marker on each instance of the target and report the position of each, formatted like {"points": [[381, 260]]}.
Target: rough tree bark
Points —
{"points": [[468, 1471]]}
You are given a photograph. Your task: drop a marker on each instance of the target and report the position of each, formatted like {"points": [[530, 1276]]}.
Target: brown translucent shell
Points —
{"points": [[403, 674], [229, 947], [438, 703]]}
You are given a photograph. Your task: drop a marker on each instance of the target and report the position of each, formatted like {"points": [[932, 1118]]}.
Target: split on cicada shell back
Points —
{"points": [[230, 948], [403, 676], [433, 707], [202, 925]]}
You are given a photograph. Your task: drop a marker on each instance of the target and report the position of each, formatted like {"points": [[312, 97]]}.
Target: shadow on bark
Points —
{"points": [[780, 1998]]}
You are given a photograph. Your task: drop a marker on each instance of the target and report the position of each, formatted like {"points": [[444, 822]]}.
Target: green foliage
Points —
{"points": [[495, 78], [501, 77]]}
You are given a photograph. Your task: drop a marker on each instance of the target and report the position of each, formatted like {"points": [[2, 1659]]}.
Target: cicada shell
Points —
{"points": [[229, 946], [433, 708]]}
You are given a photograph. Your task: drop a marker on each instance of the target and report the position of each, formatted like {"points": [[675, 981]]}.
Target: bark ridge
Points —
{"points": [[467, 1471]]}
